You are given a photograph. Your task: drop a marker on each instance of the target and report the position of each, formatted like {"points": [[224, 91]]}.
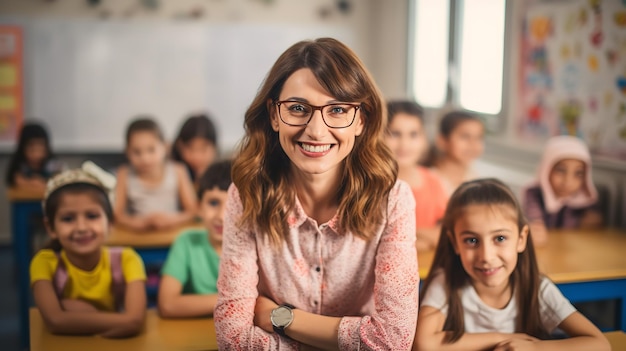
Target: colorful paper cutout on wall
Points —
{"points": [[540, 28], [11, 95], [621, 84], [8, 75], [592, 62], [570, 112], [573, 73], [8, 103]]}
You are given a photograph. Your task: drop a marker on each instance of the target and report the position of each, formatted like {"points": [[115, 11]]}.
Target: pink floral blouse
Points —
{"points": [[372, 284]]}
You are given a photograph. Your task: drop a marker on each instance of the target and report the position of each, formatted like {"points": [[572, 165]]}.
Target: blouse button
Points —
{"points": [[317, 269]]}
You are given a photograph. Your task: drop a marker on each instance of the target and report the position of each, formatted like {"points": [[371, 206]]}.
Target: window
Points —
{"points": [[431, 40], [458, 53]]}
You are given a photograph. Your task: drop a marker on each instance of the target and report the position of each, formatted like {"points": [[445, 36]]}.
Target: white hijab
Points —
{"points": [[559, 148]]}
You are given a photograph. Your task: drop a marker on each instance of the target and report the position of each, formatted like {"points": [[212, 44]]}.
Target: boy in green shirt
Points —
{"points": [[188, 285]]}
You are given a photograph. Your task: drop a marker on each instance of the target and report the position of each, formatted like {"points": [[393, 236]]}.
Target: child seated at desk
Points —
{"points": [[408, 142], [484, 290], [189, 282], [564, 195], [152, 192], [79, 285], [33, 162], [459, 143], [196, 145]]}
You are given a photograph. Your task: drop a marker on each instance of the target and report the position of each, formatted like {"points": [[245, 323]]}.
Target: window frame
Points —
{"points": [[494, 123]]}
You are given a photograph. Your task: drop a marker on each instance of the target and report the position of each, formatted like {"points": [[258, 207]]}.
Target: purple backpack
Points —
{"points": [[118, 286]]}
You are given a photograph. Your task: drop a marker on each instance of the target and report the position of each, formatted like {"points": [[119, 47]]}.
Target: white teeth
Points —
{"points": [[487, 270], [315, 148]]}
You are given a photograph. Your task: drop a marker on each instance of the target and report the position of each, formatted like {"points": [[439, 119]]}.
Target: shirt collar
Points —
{"points": [[297, 217]]}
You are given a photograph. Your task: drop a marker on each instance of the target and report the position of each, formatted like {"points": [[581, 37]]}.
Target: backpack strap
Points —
{"points": [[60, 276], [118, 284]]}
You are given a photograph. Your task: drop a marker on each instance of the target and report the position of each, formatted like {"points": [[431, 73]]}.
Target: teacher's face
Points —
{"points": [[314, 148]]}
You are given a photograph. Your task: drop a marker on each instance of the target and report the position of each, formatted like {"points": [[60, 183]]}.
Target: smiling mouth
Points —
{"points": [[315, 148], [83, 239], [488, 271]]}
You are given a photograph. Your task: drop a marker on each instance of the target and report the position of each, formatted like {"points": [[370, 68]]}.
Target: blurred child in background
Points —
{"points": [[196, 145], [460, 142], [81, 286], [189, 283], [33, 162], [152, 192], [484, 290], [408, 142], [564, 195]]}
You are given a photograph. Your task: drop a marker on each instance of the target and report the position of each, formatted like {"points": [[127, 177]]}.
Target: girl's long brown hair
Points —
{"points": [[524, 280], [261, 168]]}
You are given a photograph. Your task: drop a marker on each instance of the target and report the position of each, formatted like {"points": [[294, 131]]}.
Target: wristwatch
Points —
{"points": [[281, 318]]}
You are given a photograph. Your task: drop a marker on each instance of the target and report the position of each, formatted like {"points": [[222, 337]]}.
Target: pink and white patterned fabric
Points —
{"points": [[373, 285]]}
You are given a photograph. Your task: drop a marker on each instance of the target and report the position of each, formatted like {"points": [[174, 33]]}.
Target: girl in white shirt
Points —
{"points": [[484, 290]]}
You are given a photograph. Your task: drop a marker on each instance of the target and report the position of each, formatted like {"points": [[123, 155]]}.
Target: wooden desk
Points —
{"points": [[25, 205], [151, 246], [158, 334], [586, 265], [573, 256], [617, 339], [24, 194], [121, 236]]}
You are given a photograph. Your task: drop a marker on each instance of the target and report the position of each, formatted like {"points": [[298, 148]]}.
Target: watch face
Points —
{"points": [[281, 316]]}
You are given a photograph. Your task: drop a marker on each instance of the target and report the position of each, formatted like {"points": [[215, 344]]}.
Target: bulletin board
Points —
{"points": [[11, 98], [87, 78], [573, 73]]}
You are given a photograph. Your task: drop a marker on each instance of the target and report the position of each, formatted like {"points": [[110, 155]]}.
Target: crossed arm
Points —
{"points": [[76, 317], [430, 336]]}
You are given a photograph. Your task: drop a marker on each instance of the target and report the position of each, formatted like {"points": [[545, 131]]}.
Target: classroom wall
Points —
{"points": [[388, 46], [216, 11], [247, 12]]}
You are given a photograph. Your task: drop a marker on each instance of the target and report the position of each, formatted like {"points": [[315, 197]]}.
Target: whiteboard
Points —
{"points": [[87, 78]]}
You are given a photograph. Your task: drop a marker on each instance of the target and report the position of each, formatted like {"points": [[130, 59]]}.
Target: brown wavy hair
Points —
{"points": [[524, 280], [261, 168]]}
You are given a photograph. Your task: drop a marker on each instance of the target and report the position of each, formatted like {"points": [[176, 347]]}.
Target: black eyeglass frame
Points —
{"points": [[314, 108]]}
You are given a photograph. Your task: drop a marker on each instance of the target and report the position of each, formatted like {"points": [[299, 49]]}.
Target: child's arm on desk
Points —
{"points": [[592, 219], [583, 335], [69, 318], [430, 334], [122, 217], [173, 304]]}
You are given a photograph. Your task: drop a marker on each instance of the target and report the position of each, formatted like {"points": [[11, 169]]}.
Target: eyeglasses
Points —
{"points": [[297, 113]]}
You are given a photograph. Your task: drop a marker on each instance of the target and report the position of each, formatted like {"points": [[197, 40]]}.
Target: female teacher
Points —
{"points": [[319, 237]]}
